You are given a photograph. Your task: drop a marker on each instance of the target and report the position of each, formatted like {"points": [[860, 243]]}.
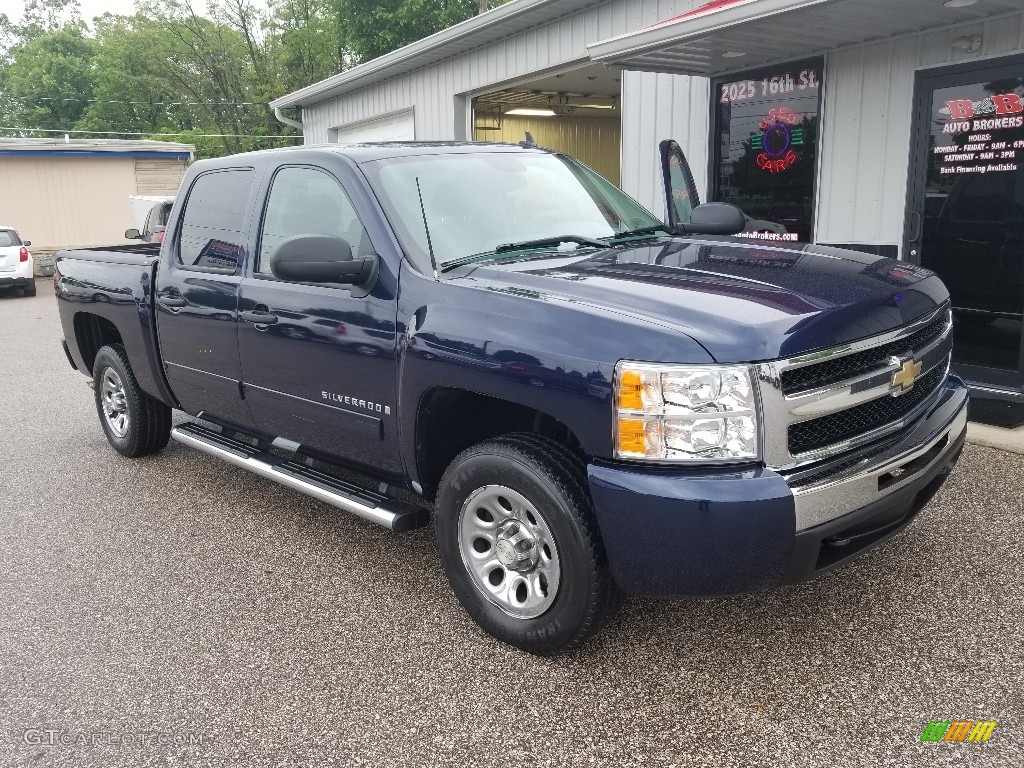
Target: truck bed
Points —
{"points": [[105, 295], [142, 254]]}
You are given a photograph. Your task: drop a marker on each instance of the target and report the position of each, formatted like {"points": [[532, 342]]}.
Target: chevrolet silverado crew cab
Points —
{"points": [[586, 400]]}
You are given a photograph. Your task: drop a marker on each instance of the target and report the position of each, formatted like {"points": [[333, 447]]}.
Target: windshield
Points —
{"points": [[479, 201]]}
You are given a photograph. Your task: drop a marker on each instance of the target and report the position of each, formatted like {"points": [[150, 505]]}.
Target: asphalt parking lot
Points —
{"points": [[176, 595]]}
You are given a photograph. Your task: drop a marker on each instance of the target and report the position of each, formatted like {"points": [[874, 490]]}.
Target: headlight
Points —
{"points": [[680, 413]]}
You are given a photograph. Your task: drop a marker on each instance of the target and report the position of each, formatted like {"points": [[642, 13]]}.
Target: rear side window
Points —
{"points": [[9, 237], [211, 226]]}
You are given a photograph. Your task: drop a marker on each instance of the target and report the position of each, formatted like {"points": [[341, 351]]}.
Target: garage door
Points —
{"points": [[398, 127]]}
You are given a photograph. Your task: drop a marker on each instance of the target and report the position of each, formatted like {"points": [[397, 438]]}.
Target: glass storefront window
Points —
{"points": [[766, 146], [973, 220]]}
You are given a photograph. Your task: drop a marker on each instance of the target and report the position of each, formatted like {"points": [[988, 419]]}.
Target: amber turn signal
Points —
{"points": [[633, 437], [631, 387]]}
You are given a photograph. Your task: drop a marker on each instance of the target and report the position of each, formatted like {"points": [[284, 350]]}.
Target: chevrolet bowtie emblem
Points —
{"points": [[905, 377]]}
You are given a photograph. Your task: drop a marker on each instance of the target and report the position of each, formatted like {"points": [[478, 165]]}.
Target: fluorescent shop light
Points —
{"points": [[525, 112]]}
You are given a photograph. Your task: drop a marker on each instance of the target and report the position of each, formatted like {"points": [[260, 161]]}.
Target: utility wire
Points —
{"points": [[144, 103], [129, 133]]}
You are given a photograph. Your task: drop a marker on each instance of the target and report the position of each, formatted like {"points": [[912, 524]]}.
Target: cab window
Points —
{"points": [[307, 201], [211, 225]]}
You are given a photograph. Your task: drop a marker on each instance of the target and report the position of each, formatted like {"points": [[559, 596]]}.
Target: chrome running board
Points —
{"points": [[377, 508]]}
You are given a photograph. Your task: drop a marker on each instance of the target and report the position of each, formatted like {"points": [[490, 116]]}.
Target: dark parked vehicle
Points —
{"points": [[586, 400]]}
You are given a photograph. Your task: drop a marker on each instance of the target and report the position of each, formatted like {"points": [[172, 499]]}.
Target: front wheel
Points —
{"points": [[135, 423], [520, 544]]}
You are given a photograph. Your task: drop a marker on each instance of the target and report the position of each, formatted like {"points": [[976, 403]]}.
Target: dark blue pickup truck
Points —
{"points": [[586, 400]]}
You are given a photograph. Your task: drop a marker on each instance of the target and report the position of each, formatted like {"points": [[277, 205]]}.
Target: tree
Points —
{"points": [[42, 16], [50, 79], [372, 29], [131, 92], [169, 69], [210, 66], [307, 39]]}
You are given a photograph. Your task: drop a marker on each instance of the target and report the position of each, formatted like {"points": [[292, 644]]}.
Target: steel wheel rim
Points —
{"points": [[509, 551], [115, 403]]}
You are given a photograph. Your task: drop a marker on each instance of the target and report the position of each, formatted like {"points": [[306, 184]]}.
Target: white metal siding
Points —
{"points": [[400, 127], [656, 107], [866, 123], [433, 89]]}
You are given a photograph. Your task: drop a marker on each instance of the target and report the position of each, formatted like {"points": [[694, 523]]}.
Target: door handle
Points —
{"points": [[259, 317], [173, 301], [916, 220]]}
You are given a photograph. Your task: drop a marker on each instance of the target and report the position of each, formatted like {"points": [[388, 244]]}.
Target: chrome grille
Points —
{"points": [[843, 368], [827, 430], [827, 403]]}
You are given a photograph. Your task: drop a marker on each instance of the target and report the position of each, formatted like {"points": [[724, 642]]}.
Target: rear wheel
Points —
{"points": [[30, 288], [520, 544], [135, 423]]}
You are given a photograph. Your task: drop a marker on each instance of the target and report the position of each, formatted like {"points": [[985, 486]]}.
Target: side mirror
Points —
{"points": [[26, 243], [323, 259], [132, 234], [716, 219]]}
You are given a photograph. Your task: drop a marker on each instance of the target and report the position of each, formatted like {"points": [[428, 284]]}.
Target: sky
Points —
{"points": [[90, 8]]}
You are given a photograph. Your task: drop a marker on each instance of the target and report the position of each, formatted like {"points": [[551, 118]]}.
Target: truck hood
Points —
{"points": [[741, 301]]}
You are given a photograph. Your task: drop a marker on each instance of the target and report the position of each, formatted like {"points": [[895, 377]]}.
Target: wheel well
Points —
{"points": [[451, 420], [91, 333]]}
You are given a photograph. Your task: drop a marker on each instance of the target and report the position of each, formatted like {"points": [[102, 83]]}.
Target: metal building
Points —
{"points": [[890, 126], [61, 194]]}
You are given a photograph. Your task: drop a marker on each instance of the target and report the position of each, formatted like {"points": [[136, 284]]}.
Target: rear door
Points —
{"points": [[196, 296], [681, 195], [318, 360]]}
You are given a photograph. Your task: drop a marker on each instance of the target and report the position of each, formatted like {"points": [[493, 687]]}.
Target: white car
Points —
{"points": [[16, 270]]}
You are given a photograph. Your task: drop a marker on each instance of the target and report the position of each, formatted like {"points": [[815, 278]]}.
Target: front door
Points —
{"points": [[965, 215], [320, 369]]}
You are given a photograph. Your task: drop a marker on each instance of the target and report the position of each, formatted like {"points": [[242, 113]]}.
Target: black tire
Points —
{"points": [[148, 425], [553, 480], [30, 289]]}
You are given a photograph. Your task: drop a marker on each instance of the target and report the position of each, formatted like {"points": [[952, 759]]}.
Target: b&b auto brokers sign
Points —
{"points": [[992, 127]]}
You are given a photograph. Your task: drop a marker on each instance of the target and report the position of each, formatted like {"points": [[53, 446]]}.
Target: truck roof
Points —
{"points": [[369, 151]]}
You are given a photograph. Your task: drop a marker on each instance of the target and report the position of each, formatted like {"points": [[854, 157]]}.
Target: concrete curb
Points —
{"points": [[1011, 440]]}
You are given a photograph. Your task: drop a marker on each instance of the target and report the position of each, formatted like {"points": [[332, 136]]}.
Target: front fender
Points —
{"points": [[556, 358]]}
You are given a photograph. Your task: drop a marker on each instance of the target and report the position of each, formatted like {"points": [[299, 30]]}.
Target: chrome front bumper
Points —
{"points": [[824, 494]]}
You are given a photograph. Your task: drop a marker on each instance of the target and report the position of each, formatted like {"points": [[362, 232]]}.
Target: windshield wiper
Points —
{"points": [[550, 241], [547, 242], [641, 231]]}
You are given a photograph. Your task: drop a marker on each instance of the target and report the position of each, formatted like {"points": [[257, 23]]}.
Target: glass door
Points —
{"points": [[965, 217]]}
